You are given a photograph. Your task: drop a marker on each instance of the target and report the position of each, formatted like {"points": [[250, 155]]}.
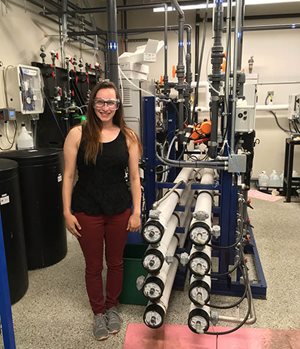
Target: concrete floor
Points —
{"points": [[55, 313]]}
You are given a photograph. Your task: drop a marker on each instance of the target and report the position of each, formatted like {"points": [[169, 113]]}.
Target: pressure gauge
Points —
{"points": [[199, 263], [153, 232], [198, 320], [199, 292], [152, 263], [154, 316], [153, 288], [200, 233]]}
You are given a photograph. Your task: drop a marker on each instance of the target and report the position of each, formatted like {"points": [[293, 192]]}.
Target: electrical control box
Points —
{"points": [[294, 107], [245, 119], [24, 89]]}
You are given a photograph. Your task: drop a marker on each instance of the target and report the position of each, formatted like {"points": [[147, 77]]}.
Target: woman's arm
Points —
{"points": [[134, 222], [70, 157]]}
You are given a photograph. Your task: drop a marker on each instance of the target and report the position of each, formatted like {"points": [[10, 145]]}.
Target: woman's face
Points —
{"points": [[106, 104]]}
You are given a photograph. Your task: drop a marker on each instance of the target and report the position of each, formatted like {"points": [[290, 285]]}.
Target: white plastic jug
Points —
{"points": [[24, 140], [263, 179], [274, 180]]}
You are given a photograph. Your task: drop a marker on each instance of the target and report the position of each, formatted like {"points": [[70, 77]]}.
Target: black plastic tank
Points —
{"points": [[13, 232], [40, 172]]}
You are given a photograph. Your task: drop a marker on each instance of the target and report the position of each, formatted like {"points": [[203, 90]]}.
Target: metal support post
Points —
{"points": [[112, 42]]}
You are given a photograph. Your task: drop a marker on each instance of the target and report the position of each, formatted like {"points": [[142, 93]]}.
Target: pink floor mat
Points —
{"points": [[139, 336]]}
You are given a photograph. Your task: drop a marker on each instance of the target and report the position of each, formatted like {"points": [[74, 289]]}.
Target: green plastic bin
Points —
{"points": [[133, 268]]}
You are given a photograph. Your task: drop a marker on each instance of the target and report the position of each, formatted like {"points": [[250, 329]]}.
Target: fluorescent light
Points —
{"points": [[203, 6]]}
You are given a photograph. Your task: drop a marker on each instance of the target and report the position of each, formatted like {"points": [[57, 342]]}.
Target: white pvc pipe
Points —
{"points": [[165, 209], [204, 202], [164, 300], [270, 107]]}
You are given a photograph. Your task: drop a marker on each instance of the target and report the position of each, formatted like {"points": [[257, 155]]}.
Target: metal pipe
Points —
{"points": [[129, 31], [180, 73], [270, 27], [112, 42], [166, 82], [228, 59], [237, 34], [216, 60], [64, 33], [241, 34]]}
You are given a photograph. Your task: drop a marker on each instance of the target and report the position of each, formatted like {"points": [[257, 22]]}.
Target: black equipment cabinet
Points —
{"points": [[13, 232], [41, 187]]}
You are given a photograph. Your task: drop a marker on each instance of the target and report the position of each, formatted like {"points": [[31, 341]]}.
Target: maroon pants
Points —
{"points": [[95, 230]]}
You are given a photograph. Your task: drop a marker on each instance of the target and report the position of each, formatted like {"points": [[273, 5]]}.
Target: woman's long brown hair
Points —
{"points": [[90, 130]]}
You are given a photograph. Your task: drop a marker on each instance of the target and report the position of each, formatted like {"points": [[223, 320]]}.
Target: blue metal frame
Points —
{"points": [[149, 151], [5, 304], [226, 209]]}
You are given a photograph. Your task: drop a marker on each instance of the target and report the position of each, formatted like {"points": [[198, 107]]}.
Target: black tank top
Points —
{"points": [[101, 188]]}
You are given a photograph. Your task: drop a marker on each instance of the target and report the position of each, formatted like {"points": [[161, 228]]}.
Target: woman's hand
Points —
{"points": [[134, 222], [72, 224]]}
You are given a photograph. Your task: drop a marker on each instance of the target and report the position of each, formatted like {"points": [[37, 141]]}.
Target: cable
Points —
{"points": [[14, 138], [249, 298], [227, 247], [229, 306], [276, 119]]}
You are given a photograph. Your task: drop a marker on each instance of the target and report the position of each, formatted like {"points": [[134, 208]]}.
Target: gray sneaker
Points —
{"points": [[100, 330], [114, 320]]}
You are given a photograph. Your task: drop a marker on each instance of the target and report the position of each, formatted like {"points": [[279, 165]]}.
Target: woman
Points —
{"points": [[101, 208]]}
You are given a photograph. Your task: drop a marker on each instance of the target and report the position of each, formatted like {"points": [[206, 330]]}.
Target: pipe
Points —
{"points": [[241, 11], [112, 41], [268, 107], [216, 60], [237, 35], [278, 82], [180, 74], [197, 36], [129, 31], [201, 224], [197, 164], [159, 218], [188, 75], [228, 61], [155, 312], [63, 32], [166, 80]]}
